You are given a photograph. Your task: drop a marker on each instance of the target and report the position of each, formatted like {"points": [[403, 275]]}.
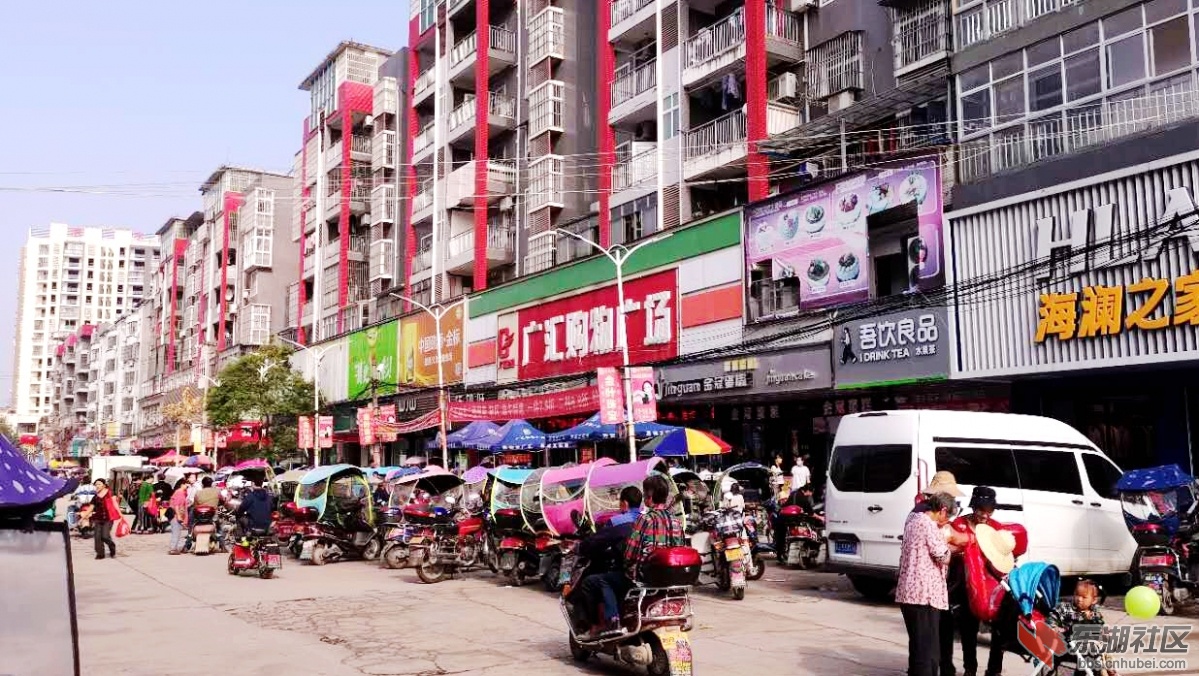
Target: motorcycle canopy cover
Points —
{"points": [[1159, 495]]}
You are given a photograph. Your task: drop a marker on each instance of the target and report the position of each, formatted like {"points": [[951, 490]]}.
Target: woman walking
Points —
{"points": [[178, 512], [104, 515], [922, 593]]}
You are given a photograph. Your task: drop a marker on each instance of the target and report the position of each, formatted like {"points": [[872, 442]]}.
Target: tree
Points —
{"points": [[7, 430], [184, 413], [262, 386]]}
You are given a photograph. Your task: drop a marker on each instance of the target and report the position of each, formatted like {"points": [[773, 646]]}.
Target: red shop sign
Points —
{"points": [[566, 402], [578, 334]]}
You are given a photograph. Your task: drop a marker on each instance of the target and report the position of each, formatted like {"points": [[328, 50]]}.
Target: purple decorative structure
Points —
{"points": [[22, 485]]}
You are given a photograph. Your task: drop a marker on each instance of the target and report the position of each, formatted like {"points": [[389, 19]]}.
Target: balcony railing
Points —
{"points": [[635, 170], [501, 106], [423, 260], [984, 20], [360, 144], [423, 198], [1086, 125], [502, 40], [920, 31], [466, 47], [623, 9], [383, 204], [715, 136], [729, 33], [536, 262], [633, 81], [424, 138], [499, 237], [784, 25], [464, 112], [382, 259], [387, 96], [424, 81], [383, 149]]}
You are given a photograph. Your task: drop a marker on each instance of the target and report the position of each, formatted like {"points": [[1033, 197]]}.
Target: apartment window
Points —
{"points": [[428, 13], [632, 226], [43, 250], [672, 117], [919, 31], [545, 107], [545, 182], [1126, 73], [546, 35], [836, 65]]}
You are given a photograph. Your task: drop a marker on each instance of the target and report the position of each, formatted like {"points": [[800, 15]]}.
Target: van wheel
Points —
{"points": [[873, 588]]}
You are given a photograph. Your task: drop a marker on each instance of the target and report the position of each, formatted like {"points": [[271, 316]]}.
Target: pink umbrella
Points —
{"points": [[256, 463], [168, 458]]}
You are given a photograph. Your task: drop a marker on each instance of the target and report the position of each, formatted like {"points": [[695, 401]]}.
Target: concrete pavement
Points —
{"points": [[149, 613]]}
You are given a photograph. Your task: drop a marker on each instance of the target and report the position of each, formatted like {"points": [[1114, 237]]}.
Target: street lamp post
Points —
{"points": [[315, 355], [619, 254], [207, 380], [437, 311]]}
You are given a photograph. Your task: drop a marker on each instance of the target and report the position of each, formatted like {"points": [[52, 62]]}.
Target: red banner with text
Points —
{"points": [[304, 433], [567, 402]]}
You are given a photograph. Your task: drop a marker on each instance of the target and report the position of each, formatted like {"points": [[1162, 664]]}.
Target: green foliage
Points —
{"points": [[262, 386], [7, 430]]}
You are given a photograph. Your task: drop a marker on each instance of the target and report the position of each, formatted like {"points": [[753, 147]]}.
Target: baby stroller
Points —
{"points": [[1021, 625]]}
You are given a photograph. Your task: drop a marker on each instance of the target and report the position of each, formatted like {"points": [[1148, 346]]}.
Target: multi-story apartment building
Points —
{"points": [[504, 137], [345, 184], [70, 416], [69, 277], [112, 382]]}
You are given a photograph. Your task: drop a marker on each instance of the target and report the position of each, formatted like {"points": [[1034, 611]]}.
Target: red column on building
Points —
{"points": [[482, 105], [305, 195], [755, 97], [232, 202], [409, 170], [606, 63], [343, 223]]}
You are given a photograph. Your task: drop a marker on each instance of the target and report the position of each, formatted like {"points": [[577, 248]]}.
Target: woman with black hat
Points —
{"points": [[982, 505]]}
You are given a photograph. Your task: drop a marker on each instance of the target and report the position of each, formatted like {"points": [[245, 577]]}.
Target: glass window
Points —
{"points": [[1102, 475], [1081, 38], [871, 469], [1043, 52], [1082, 75], [976, 111], [1009, 100], [1049, 471], [1007, 65], [1171, 46], [992, 467], [1045, 88], [1122, 23], [975, 77], [1126, 61], [671, 117], [1156, 10]]}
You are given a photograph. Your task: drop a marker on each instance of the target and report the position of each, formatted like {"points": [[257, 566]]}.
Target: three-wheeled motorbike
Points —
{"points": [[760, 507], [450, 538], [563, 492], [433, 487], [1161, 509], [512, 536], [341, 495]]}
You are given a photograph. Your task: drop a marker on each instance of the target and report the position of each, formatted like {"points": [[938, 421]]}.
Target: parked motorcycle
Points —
{"points": [[1161, 509], [202, 540], [256, 552], [516, 547], [346, 533], [448, 543], [654, 616], [723, 549], [801, 539]]}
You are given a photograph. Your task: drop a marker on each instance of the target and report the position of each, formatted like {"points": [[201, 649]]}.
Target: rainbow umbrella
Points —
{"points": [[685, 441]]}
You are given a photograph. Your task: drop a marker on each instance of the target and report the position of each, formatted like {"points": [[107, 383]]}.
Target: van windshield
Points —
{"points": [[879, 468]]}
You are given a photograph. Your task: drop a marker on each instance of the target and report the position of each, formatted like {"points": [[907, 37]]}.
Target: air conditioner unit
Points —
{"points": [[841, 100], [801, 5], [788, 86]]}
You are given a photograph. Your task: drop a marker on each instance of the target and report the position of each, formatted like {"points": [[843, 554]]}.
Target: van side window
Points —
{"points": [[870, 469], [1052, 471], [994, 467], [1102, 475]]}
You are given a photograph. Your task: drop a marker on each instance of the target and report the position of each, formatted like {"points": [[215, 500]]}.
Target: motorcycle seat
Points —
{"points": [[259, 532]]}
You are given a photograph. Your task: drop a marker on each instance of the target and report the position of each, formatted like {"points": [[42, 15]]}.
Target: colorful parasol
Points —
{"points": [[685, 441], [168, 458], [22, 485], [198, 461]]}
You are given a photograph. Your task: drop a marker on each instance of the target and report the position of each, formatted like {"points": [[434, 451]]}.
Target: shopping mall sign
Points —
{"points": [[579, 333], [894, 348]]}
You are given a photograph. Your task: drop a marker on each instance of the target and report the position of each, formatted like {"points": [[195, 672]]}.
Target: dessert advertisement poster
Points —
{"points": [[819, 235]]}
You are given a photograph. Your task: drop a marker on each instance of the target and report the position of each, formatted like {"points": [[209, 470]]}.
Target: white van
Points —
{"points": [[1046, 475]]}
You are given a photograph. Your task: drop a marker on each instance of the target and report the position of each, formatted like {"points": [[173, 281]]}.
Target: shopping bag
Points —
{"points": [[121, 528]]}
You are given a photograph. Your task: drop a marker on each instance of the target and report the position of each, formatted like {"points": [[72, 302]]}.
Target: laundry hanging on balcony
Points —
{"points": [[730, 93]]}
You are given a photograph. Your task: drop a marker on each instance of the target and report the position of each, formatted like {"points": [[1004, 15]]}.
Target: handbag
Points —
{"points": [[122, 528]]}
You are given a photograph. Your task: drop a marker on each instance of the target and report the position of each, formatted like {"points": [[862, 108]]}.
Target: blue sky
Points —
{"points": [[137, 101]]}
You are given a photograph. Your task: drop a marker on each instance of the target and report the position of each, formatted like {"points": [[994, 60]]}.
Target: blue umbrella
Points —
{"points": [[515, 435], [592, 429], [464, 437]]}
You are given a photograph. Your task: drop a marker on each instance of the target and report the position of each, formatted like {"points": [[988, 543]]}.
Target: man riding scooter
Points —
{"points": [[254, 512], [605, 550], [654, 529]]}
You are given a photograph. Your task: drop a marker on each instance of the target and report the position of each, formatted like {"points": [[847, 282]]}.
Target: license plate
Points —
{"points": [[275, 561], [850, 548], [306, 550], [416, 540], [732, 554]]}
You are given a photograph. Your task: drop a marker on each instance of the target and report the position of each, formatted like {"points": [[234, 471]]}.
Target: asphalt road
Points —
{"points": [[149, 613]]}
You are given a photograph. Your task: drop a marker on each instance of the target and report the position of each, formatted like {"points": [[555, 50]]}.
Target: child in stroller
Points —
{"points": [[1083, 613]]}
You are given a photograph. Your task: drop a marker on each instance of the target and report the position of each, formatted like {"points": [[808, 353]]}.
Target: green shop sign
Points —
{"points": [[373, 359]]}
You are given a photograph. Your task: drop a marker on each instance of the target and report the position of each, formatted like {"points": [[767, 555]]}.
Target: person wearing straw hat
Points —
{"points": [[1000, 556], [942, 482]]}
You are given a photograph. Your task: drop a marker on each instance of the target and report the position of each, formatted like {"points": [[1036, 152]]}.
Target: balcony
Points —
{"points": [[547, 35], [422, 265], [781, 117], [501, 182], [382, 259], [455, 7], [255, 325], [501, 54], [501, 243], [360, 147], [1083, 126], [423, 87], [640, 169], [422, 145], [633, 92], [630, 14], [714, 146], [422, 202], [383, 150], [501, 116], [383, 204], [718, 49], [387, 97], [358, 250], [981, 21], [920, 35], [546, 183]]}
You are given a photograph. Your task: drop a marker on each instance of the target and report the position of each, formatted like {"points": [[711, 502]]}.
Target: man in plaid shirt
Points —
{"points": [[654, 529]]}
